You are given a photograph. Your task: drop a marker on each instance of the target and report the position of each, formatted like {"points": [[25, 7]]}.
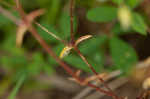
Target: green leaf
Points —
{"points": [[57, 50], [102, 14], [123, 55], [130, 3], [118, 30], [34, 68], [13, 62], [18, 60], [98, 59], [36, 64], [47, 37], [64, 25], [118, 1], [92, 45], [89, 48], [4, 20], [53, 11], [77, 62], [133, 3], [17, 87], [48, 69], [138, 24]]}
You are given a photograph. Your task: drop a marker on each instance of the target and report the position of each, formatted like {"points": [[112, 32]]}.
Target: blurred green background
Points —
{"points": [[120, 38]]}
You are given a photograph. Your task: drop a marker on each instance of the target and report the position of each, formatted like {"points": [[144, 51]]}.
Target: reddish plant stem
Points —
{"points": [[71, 21], [93, 70], [69, 70], [6, 13], [20, 9], [42, 42], [78, 51], [51, 53], [45, 46], [75, 47], [108, 93]]}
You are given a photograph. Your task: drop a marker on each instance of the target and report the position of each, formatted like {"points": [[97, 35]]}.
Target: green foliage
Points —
{"points": [[118, 1], [17, 86], [54, 8], [102, 14], [57, 50], [117, 30], [23, 64], [130, 3], [47, 37], [92, 46], [39, 64], [3, 20], [123, 55], [64, 25], [133, 3], [138, 24], [77, 62]]}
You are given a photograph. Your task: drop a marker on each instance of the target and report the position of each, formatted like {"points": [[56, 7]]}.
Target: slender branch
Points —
{"points": [[71, 21], [77, 50], [51, 53], [87, 90], [42, 42], [93, 70], [69, 70], [38, 24], [20, 9], [52, 34], [48, 49], [113, 84]]}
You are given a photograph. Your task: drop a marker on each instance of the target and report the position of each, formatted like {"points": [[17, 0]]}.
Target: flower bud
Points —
{"points": [[124, 17]]}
